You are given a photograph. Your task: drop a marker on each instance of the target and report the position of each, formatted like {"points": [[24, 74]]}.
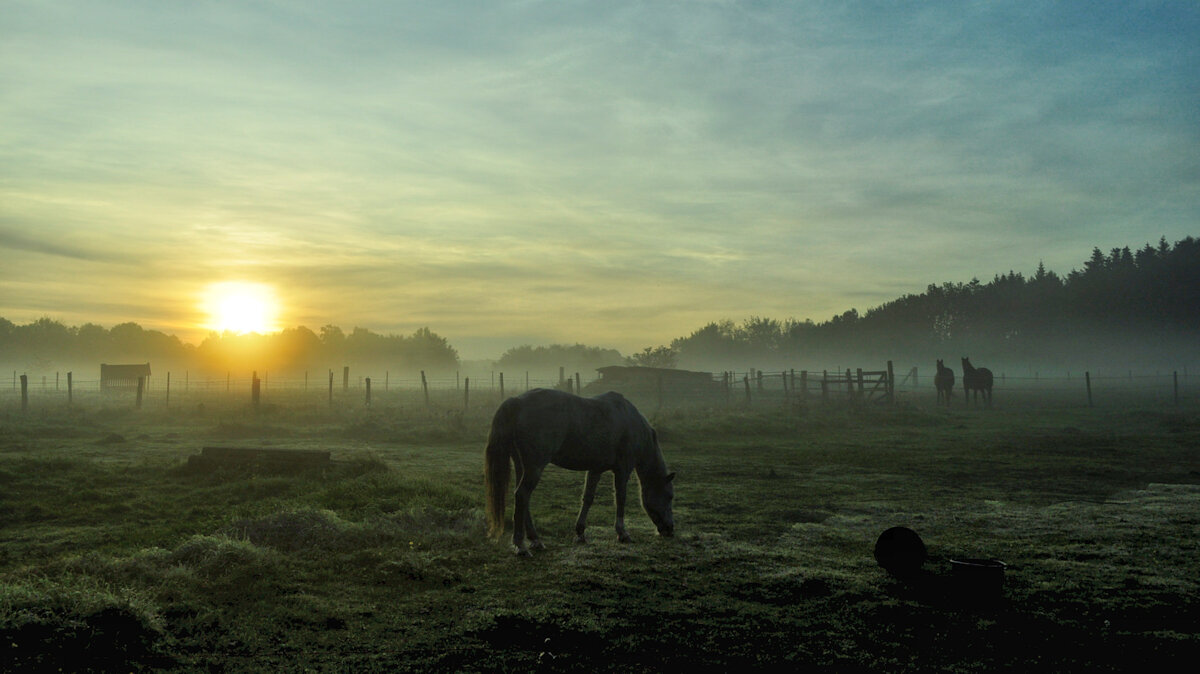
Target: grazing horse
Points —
{"points": [[597, 434], [977, 380], [944, 381]]}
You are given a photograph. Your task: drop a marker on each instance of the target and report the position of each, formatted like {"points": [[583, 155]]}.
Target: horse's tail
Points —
{"points": [[496, 468]]}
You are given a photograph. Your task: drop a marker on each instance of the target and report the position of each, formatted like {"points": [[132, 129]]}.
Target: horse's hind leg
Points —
{"points": [[620, 486], [589, 494], [522, 519], [535, 541]]}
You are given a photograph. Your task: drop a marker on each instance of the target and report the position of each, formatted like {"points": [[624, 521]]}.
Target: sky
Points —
{"points": [[614, 173]]}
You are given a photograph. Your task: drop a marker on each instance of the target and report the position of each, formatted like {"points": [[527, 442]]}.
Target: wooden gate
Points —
{"points": [[878, 386]]}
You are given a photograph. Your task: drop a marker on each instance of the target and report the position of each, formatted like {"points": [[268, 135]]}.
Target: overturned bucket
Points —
{"points": [[979, 579], [901, 552]]}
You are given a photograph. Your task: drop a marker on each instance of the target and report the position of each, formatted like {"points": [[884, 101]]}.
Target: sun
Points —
{"points": [[241, 307]]}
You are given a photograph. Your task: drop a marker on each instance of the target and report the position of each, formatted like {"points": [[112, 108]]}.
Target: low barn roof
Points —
{"points": [[124, 371]]}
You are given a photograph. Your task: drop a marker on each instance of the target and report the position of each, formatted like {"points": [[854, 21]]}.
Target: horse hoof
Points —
{"points": [[524, 552], [624, 539], [580, 539], [537, 545]]}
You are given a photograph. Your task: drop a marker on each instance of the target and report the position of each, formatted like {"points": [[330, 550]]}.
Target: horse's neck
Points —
{"points": [[651, 463]]}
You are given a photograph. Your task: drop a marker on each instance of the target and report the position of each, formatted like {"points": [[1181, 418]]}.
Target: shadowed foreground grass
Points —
{"points": [[116, 554]]}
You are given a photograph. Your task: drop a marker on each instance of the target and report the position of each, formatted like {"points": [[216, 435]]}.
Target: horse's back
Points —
{"points": [[575, 432], [985, 377]]}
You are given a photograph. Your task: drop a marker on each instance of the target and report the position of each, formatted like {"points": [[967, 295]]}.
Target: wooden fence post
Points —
{"points": [[24, 392], [850, 382], [425, 387], [579, 385], [804, 384], [758, 377], [891, 384], [331, 388], [368, 382], [346, 378], [140, 389], [466, 393], [70, 392], [502, 386], [1087, 378], [746, 381], [255, 389]]}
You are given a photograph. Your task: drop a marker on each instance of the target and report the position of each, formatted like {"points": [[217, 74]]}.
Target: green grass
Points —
{"points": [[117, 554]]}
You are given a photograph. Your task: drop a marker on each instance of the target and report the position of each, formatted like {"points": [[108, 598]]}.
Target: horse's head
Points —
{"points": [[657, 494], [940, 366]]}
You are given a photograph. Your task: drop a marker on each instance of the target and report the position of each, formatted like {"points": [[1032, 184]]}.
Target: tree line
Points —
{"points": [[1127, 306], [48, 344]]}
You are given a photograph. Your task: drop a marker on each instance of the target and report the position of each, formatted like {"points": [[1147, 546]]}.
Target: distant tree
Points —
{"points": [[429, 349], [577, 357], [332, 337], [660, 356]]}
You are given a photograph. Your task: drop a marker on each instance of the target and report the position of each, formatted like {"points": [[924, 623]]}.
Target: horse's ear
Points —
{"points": [[670, 476]]}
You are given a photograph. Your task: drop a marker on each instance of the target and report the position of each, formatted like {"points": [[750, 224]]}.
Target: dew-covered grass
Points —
{"points": [[117, 553]]}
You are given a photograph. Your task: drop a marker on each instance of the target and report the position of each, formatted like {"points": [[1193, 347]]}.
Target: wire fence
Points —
{"points": [[747, 387]]}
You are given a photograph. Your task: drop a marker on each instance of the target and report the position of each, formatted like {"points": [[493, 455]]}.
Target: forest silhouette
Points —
{"points": [[1126, 307]]}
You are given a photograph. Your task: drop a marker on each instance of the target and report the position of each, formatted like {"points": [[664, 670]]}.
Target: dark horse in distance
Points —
{"points": [[978, 380], [944, 381], [597, 434]]}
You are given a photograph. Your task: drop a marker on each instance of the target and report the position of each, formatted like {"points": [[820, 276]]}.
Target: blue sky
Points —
{"points": [[611, 173]]}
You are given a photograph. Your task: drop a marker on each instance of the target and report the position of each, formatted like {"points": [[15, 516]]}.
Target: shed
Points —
{"points": [[637, 378], [115, 377]]}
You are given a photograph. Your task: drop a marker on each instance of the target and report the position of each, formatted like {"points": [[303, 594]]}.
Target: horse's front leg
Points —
{"points": [[589, 493], [620, 486]]}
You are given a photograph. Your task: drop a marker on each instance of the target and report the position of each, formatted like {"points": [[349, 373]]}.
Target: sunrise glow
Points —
{"points": [[241, 307]]}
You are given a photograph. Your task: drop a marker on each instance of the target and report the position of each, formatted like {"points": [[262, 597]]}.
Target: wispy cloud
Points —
{"points": [[618, 171]]}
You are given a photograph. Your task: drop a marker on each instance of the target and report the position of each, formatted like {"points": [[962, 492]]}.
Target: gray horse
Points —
{"points": [[597, 434]]}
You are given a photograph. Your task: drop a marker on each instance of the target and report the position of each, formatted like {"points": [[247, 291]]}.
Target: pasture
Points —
{"points": [[115, 553]]}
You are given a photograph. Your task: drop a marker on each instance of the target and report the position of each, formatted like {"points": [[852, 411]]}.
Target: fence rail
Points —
{"points": [[752, 386]]}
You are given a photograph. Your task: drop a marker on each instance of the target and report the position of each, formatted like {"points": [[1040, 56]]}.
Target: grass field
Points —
{"points": [[116, 553]]}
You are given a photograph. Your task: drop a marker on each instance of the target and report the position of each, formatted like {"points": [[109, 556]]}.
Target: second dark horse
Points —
{"points": [[944, 381], [597, 434], [978, 380]]}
